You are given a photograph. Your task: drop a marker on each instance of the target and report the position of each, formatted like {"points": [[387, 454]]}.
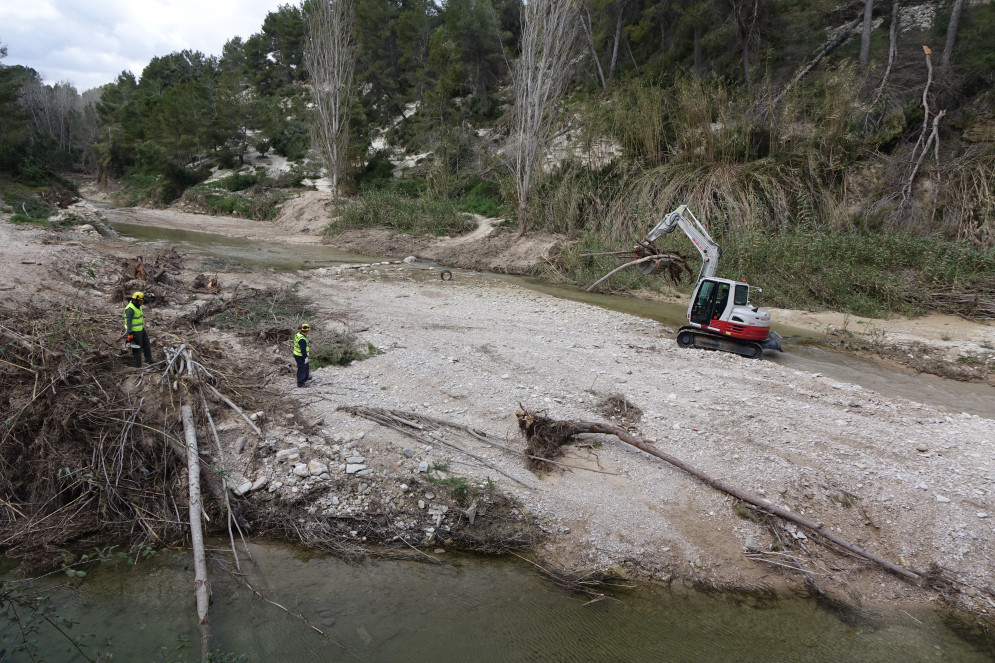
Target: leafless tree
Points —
{"points": [[948, 47], [330, 59], [745, 14], [892, 51], [865, 37], [549, 39]]}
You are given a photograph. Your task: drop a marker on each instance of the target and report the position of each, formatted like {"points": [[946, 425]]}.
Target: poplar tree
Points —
{"points": [[330, 59]]}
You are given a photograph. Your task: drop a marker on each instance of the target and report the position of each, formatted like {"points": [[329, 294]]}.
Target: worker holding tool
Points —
{"points": [[134, 326], [302, 355]]}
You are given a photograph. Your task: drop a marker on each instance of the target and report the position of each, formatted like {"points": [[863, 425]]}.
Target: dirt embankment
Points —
{"points": [[379, 450]]}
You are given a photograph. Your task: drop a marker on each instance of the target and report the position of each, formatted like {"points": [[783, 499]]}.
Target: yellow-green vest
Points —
{"points": [[297, 346], [137, 320]]}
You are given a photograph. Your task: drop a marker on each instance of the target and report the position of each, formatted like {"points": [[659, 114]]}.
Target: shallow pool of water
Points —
{"points": [[464, 610]]}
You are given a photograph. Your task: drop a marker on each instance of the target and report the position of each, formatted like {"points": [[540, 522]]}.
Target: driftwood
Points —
{"points": [[236, 409], [196, 532], [402, 422], [619, 269], [531, 424]]}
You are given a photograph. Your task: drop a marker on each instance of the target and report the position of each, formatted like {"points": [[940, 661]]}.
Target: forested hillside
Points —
{"points": [[841, 153]]}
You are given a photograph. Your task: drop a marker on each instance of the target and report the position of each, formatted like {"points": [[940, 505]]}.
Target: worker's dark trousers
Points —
{"points": [[142, 339], [303, 371]]}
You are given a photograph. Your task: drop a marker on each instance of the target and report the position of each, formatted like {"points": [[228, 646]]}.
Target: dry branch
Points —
{"points": [[556, 433], [402, 422]]}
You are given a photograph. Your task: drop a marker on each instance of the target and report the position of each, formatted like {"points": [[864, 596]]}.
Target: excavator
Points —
{"points": [[720, 316]]}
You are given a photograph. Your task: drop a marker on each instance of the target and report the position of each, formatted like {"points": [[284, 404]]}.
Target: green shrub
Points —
{"points": [[388, 210], [237, 181], [22, 218]]}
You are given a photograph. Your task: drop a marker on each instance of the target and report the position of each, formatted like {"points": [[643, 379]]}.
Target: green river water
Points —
{"points": [[465, 609]]}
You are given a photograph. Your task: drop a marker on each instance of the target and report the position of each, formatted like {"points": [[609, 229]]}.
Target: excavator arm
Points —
{"points": [[684, 219]]}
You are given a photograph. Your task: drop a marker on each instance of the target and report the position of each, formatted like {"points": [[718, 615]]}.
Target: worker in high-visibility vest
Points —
{"points": [[134, 326], [302, 355]]}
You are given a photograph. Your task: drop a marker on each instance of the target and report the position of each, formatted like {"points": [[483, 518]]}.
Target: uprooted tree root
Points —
{"points": [[544, 437]]}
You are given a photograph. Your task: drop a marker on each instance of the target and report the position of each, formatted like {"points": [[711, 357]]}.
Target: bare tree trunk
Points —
{"points": [[331, 61], [620, 8], [549, 37], [632, 57], [892, 50], [746, 20], [699, 67], [196, 533], [865, 36], [842, 35], [948, 47], [585, 23]]}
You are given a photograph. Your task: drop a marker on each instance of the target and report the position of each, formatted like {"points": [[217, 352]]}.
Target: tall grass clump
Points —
{"points": [[390, 211], [966, 202], [872, 274], [574, 199]]}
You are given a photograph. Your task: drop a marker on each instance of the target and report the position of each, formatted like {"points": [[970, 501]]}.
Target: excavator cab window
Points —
{"points": [[721, 300], [742, 297], [701, 312]]}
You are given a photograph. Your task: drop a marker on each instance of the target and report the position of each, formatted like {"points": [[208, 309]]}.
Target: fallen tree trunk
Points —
{"points": [[196, 532], [533, 425]]}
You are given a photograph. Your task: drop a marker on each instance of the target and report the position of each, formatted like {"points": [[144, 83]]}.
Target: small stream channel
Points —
{"points": [[800, 354], [471, 609]]}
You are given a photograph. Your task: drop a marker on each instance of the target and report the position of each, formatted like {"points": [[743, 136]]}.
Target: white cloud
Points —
{"points": [[90, 43]]}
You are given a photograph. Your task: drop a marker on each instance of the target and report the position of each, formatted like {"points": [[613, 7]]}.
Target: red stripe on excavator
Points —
{"points": [[744, 332]]}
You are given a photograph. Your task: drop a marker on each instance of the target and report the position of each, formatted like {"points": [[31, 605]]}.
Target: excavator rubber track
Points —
{"points": [[692, 337]]}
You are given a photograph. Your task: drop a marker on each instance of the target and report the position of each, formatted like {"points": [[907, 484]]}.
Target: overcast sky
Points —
{"points": [[90, 42]]}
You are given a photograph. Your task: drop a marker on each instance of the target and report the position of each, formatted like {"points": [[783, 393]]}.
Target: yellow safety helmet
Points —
{"points": [[305, 327], [138, 295]]}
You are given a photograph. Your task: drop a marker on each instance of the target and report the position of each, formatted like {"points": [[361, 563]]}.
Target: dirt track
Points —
{"points": [[910, 483]]}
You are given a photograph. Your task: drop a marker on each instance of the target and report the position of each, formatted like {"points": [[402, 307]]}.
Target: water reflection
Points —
{"points": [[470, 610]]}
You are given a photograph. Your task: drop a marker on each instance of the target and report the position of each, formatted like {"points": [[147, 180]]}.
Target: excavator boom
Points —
{"points": [[684, 219]]}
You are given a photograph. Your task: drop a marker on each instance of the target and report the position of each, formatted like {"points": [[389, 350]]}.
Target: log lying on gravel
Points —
{"points": [[545, 435]]}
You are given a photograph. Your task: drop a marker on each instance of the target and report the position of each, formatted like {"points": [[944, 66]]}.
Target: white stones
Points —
{"points": [[410, 259], [941, 498], [423, 466], [353, 468], [316, 467], [981, 514], [256, 416], [259, 483], [404, 487], [300, 469], [355, 460], [287, 454], [243, 488]]}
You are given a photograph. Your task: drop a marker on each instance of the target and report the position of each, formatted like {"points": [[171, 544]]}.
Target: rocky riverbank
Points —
{"points": [[904, 480]]}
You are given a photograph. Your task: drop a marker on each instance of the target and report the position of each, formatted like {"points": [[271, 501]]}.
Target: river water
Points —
{"points": [[800, 354], [481, 610], [466, 609]]}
